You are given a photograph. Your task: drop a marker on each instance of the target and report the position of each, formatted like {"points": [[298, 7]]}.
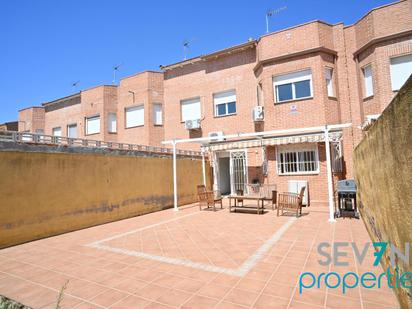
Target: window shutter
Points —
{"points": [[157, 114], [367, 75], [190, 109], [134, 116], [401, 69], [112, 123], [93, 125]]}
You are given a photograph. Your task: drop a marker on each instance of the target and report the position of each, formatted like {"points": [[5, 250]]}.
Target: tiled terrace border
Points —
{"points": [[240, 271]]}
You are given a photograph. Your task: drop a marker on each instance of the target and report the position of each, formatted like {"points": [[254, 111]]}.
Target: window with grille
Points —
{"points": [[297, 160]]}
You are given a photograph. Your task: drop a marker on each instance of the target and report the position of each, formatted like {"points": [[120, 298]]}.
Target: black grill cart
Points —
{"points": [[346, 207]]}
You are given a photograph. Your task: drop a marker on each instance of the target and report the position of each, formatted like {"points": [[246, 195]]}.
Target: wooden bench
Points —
{"points": [[291, 201]]}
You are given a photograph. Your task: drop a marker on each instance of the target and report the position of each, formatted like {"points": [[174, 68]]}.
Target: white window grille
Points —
{"points": [[297, 160]]}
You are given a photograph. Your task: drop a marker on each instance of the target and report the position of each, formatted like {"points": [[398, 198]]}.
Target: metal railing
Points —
{"points": [[34, 138]]}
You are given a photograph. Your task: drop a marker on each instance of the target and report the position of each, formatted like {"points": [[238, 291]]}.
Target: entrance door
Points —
{"points": [[238, 171], [224, 175]]}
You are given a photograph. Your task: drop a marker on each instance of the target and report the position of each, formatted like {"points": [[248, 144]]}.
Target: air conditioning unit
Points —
{"points": [[258, 114], [192, 124], [216, 136]]}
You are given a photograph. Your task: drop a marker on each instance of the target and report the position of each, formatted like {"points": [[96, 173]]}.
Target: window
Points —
{"points": [[293, 86], [93, 125], [112, 122], [225, 103], [190, 109], [367, 78], [72, 130], [329, 81], [157, 114], [57, 131], [401, 69], [293, 160], [134, 116]]}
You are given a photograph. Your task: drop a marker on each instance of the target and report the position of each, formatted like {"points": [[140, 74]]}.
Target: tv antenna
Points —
{"points": [[115, 69], [74, 85], [270, 13], [186, 45]]}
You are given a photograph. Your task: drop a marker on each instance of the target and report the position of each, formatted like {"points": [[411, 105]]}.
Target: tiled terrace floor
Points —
{"points": [[189, 259]]}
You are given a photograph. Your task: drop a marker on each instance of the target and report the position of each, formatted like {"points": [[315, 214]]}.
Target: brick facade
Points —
{"points": [[249, 70]]}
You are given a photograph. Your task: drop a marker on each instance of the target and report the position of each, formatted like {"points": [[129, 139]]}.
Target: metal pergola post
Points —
{"points": [[174, 178], [329, 175]]}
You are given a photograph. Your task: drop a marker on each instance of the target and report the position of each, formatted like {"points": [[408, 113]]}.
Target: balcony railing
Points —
{"points": [[33, 138]]}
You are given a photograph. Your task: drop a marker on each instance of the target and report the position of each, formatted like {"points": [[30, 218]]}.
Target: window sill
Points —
{"points": [[158, 125], [332, 98], [139, 126], [299, 174], [368, 98], [294, 100], [223, 116], [92, 134], [112, 132]]}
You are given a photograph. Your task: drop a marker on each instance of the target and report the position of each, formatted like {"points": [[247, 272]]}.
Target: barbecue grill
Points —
{"points": [[347, 207]]}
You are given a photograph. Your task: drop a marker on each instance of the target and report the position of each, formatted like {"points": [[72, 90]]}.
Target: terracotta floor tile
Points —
{"points": [[131, 302], [227, 305], [338, 302], [108, 298], [189, 285], [200, 302], [173, 298], [267, 301], [241, 297], [151, 291], [214, 290]]}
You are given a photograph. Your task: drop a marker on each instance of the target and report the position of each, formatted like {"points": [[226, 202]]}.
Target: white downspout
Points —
{"points": [[329, 175], [174, 178]]}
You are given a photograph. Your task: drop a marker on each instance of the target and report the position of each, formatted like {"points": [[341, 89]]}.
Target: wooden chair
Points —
{"points": [[208, 198], [291, 201]]}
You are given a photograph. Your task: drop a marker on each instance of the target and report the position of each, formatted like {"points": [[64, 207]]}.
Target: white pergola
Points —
{"points": [[325, 130]]}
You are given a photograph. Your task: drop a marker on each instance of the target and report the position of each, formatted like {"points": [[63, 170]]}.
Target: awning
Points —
{"points": [[272, 141]]}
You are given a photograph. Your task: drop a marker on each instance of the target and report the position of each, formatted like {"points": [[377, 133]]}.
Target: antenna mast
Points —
{"points": [[115, 69], [270, 13]]}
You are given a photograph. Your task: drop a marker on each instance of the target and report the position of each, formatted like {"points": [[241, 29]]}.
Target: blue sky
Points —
{"points": [[47, 45]]}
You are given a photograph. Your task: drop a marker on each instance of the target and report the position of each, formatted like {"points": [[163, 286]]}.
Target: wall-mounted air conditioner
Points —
{"points": [[193, 124], [216, 136], [258, 114]]}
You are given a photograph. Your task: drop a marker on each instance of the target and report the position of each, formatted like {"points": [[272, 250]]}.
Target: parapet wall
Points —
{"points": [[49, 190]]}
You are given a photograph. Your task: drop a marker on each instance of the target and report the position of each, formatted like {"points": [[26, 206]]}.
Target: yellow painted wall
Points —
{"points": [[44, 194], [383, 171]]}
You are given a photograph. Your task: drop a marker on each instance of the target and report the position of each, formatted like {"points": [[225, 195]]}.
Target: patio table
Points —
{"points": [[259, 199]]}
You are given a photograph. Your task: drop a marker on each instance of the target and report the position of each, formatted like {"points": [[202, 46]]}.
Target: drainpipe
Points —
{"points": [[329, 174], [203, 166], [174, 177]]}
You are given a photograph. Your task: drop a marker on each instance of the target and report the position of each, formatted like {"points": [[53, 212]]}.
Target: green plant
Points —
{"points": [[61, 295]]}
